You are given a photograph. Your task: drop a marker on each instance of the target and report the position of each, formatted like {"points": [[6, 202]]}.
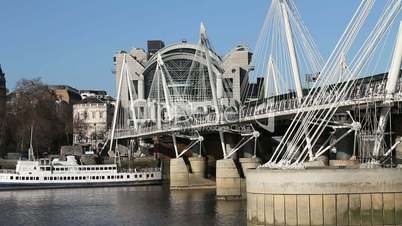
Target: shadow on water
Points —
{"points": [[148, 205]]}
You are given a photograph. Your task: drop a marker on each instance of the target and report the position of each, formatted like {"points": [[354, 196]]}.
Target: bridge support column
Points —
{"points": [[228, 181], [189, 174], [344, 156], [344, 148], [197, 174], [246, 165], [179, 174], [398, 153], [230, 177]]}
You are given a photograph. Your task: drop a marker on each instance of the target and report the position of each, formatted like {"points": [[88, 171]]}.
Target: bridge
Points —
{"points": [[190, 91]]}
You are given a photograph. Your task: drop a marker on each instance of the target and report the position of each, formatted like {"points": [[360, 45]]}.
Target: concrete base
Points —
{"points": [[246, 165], [229, 184], [189, 177], [345, 163], [179, 175], [324, 197]]}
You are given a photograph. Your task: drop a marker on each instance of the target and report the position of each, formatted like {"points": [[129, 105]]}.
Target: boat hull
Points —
{"points": [[4, 186]]}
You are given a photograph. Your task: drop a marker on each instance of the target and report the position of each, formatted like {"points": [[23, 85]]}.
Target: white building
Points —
{"points": [[92, 120]]}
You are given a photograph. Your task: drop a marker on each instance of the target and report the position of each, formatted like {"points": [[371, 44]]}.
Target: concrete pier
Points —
{"points": [[197, 170], [190, 175], [230, 180], [179, 174], [228, 184], [246, 165], [324, 197]]}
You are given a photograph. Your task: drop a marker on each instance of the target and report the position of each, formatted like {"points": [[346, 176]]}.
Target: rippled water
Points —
{"points": [[148, 205]]}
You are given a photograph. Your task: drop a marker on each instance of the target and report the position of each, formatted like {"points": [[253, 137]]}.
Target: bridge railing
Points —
{"points": [[371, 92]]}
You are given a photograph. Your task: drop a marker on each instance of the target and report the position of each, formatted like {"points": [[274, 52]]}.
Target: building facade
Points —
{"points": [[185, 62], [92, 120], [66, 94]]}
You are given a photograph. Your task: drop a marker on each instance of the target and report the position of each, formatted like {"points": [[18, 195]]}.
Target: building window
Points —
{"points": [[100, 114]]}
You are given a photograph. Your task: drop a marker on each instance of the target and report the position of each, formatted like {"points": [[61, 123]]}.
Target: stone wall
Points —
{"points": [[324, 197]]}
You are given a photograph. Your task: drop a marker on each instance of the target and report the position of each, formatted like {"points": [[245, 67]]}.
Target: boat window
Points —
{"points": [[103, 177], [47, 168], [112, 177], [45, 178], [65, 169], [17, 178], [97, 177], [108, 177], [152, 175], [31, 178], [140, 175], [147, 175], [110, 168], [135, 176], [34, 167], [37, 178], [11, 177], [68, 178], [114, 167], [92, 168], [61, 169], [51, 178], [128, 176], [64, 178], [97, 168]]}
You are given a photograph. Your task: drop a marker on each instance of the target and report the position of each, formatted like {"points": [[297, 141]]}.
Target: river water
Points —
{"points": [[145, 205]]}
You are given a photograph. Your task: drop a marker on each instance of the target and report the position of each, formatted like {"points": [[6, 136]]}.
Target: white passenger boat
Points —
{"points": [[56, 173]]}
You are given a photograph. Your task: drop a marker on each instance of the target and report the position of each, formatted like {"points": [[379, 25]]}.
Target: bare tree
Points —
{"points": [[33, 104]]}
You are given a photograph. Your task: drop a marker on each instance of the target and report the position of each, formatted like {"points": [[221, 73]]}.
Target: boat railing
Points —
{"points": [[140, 170]]}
